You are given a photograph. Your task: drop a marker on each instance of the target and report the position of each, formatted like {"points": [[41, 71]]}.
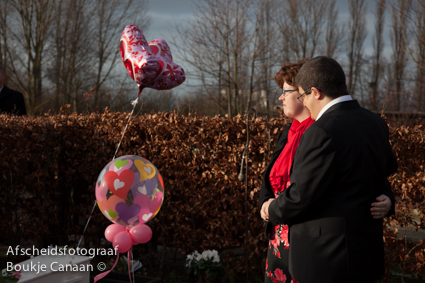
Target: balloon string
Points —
{"points": [[129, 253], [82, 235], [102, 275], [134, 103], [132, 265]]}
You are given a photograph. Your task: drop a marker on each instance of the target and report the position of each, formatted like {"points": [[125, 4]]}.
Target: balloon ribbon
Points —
{"points": [[128, 262], [104, 274], [101, 275], [134, 103]]}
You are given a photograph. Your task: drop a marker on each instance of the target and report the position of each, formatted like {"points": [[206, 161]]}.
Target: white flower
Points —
{"points": [[206, 255], [197, 256], [216, 258]]}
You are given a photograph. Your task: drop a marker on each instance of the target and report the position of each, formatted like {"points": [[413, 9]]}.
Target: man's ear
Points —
{"points": [[316, 93]]}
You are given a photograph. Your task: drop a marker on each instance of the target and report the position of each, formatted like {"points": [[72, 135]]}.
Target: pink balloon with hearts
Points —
{"points": [[141, 64], [171, 74], [119, 165], [129, 191], [148, 207], [108, 206], [149, 64], [101, 191]]}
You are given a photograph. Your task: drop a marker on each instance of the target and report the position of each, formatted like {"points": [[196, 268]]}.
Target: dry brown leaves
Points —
{"points": [[50, 164]]}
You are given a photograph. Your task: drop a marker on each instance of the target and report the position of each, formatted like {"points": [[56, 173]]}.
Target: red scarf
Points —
{"points": [[279, 175]]}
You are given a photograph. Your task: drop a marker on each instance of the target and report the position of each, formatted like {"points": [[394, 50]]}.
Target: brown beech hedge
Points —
{"points": [[49, 165]]}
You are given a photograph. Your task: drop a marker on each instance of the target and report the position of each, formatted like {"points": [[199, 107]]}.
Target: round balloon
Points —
{"points": [[141, 233], [122, 242], [129, 191]]}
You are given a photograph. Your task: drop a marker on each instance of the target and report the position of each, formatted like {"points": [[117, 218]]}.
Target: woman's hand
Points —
{"points": [[381, 207], [265, 210]]}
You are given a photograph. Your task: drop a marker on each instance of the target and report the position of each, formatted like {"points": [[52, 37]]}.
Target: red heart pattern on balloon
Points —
{"points": [[108, 205], [120, 184], [149, 65], [171, 74], [148, 207], [141, 64]]}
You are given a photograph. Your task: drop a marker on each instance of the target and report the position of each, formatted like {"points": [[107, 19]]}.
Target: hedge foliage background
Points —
{"points": [[49, 166]]}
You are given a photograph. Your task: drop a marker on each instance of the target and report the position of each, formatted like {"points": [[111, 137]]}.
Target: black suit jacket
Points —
{"points": [[340, 167], [12, 102], [266, 191]]}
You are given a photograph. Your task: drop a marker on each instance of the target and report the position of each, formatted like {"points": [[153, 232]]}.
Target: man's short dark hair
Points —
{"points": [[325, 74]]}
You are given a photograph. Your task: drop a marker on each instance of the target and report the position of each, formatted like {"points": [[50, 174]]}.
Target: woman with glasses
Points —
{"points": [[276, 178]]}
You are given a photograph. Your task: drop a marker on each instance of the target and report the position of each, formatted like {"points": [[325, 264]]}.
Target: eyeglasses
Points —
{"points": [[287, 91], [300, 97]]}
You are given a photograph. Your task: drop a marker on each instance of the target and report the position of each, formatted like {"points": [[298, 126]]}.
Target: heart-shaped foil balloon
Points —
{"points": [[171, 74], [141, 64]]}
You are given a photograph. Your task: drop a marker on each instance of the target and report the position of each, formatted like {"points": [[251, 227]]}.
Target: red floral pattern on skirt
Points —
{"points": [[278, 240]]}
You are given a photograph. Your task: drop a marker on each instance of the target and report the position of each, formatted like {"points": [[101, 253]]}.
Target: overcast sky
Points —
{"points": [[167, 14]]}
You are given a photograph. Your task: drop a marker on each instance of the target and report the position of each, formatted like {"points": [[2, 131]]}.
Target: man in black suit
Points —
{"points": [[341, 166], [11, 101]]}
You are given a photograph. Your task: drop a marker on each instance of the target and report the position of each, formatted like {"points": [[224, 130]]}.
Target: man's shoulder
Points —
{"points": [[8, 89], [318, 130], [351, 113], [343, 124], [11, 92], [373, 119]]}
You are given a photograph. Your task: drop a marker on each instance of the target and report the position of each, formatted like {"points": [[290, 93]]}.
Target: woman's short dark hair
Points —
{"points": [[325, 74], [288, 72]]}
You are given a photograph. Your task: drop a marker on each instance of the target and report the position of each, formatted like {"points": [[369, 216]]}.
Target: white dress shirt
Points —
{"points": [[333, 102]]}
